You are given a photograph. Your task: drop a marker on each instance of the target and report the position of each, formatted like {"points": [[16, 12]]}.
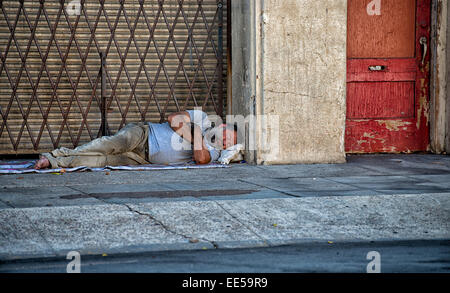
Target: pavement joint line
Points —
{"points": [[74, 189], [352, 185], [411, 176], [273, 189], [259, 167], [39, 232], [265, 241], [7, 203], [376, 191], [371, 170], [160, 223], [97, 198], [88, 194], [299, 196]]}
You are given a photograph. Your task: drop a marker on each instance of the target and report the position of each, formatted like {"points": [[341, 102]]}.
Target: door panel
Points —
{"points": [[387, 82], [387, 35], [399, 95]]}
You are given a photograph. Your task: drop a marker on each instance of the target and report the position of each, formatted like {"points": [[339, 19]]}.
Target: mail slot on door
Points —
{"points": [[377, 67]]}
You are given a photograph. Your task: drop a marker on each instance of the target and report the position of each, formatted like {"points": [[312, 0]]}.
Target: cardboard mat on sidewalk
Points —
{"points": [[21, 167]]}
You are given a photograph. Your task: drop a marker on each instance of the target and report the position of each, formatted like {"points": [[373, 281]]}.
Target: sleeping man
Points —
{"points": [[186, 136]]}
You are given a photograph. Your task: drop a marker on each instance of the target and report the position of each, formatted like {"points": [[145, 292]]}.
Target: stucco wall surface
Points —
{"points": [[303, 74]]}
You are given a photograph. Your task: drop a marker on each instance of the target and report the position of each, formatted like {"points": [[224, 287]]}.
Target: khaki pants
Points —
{"points": [[126, 147]]}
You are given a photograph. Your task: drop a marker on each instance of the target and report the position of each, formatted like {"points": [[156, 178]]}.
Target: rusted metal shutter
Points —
{"points": [[160, 57]]}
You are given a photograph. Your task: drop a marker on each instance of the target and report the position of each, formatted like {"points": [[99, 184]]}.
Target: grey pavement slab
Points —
{"points": [[263, 193], [28, 192], [129, 177], [117, 192], [390, 183], [410, 191], [364, 180], [433, 181], [375, 197], [391, 164], [441, 178], [210, 184], [4, 205], [357, 192], [88, 194], [45, 201], [113, 188], [94, 229], [19, 238], [202, 220], [254, 190], [300, 184], [315, 170], [357, 165], [126, 228], [150, 199], [120, 193], [24, 197], [343, 218]]}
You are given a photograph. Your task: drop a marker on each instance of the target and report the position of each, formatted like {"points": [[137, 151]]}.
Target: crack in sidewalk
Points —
{"points": [[158, 222], [39, 231], [165, 227]]}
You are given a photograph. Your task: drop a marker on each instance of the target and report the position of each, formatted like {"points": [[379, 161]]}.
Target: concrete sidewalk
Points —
{"points": [[372, 197]]}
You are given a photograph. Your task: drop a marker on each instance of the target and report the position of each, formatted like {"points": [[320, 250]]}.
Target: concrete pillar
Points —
{"points": [[291, 63]]}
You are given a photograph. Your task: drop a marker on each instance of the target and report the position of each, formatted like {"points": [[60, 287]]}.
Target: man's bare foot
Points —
{"points": [[42, 163]]}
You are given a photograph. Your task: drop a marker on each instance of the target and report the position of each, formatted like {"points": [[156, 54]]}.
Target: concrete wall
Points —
{"points": [[298, 73]]}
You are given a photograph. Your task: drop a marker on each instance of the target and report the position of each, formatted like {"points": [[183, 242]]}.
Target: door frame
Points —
{"points": [[440, 78]]}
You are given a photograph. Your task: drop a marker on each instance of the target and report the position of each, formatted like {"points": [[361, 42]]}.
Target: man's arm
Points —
{"points": [[201, 152], [180, 122]]}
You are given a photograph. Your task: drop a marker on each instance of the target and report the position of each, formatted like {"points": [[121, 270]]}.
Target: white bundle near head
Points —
{"points": [[232, 154]]}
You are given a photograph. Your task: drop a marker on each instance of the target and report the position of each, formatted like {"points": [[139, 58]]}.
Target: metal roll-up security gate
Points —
{"points": [[66, 66]]}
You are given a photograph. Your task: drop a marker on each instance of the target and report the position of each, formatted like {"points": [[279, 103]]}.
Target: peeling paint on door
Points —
{"points": [[394, 125]]}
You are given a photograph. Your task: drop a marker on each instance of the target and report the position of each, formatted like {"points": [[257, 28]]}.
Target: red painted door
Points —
{"points": [[387, 76]]}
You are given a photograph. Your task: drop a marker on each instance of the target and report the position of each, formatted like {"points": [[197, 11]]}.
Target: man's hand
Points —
{"points": [[180, 122]]}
